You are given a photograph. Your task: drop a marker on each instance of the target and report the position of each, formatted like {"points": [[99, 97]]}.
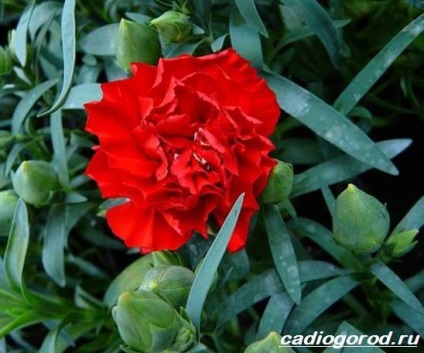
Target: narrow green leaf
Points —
{"points": [[209, 266], [21, 34], [26, 319], [49, 342], [43, 15], [302, 32], [319, 21], [245, 40], [414, 219], [396, 285], [249, 12], [366, 78], [275, 315], [81, 94], [316, 302], [410, 316], [27, 103], [329, 198], [282, 252], [323, 237], [347, 330], [342, 168], [59, 149], [102, 41], [54, 244], [328, 123], [69, 54], [269, 283], [218, 43], [17, 245]]}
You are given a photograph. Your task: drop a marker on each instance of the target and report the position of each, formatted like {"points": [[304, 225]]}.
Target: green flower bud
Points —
{"points": [[147, 323], [279, 185], [136, 43], [399, 244], [186, 335], [173, 26], [35, 182], [8, 201], [171, 283], [360, 221], [270, 344], [166, 257], [5, 61]]}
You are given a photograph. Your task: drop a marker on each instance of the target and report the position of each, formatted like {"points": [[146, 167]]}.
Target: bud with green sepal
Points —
{"points": [[136, 43], [400, 243], [146, 323], [270, 344], [6, 62], [8, 202], [360, 221], [171, 283], [35, 182], [173, 26], [279, 185], [166, 257]]}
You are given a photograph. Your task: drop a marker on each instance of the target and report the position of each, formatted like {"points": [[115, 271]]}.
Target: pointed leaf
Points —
{"points": [[21, 34], [245, 40], [414, 219], [81, 94], [27, 103], [59, 149], [342, 168], [207, 269], [326, 122], [54, 244], [366, 78], [248, 10], [17, 245], [69, 54], [316, 302], [283, 252], [275, 314], [319, 21], [396, 285]]}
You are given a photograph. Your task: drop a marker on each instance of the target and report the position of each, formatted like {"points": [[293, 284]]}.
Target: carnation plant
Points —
{"points": [[210, 176]]}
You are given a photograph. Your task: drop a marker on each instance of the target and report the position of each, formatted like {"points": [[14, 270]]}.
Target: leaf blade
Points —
{"points": [[69, 54], [366, 78], [283, 253], [17, 245], [207, 269], [326, 122]]}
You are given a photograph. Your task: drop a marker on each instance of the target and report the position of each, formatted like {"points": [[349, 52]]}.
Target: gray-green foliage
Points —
{"points": [[335, 80]]}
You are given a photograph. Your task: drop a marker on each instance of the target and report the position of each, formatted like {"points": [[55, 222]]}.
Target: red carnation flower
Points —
{"points": [[181, 141]]}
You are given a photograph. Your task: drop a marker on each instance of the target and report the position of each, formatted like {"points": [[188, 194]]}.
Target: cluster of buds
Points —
{"points": [[361, 224], [152, 318]]}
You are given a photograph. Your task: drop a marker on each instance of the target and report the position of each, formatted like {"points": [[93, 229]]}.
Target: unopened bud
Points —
{"points": [[8, 202], [171, 283], [360, 221], [136, 43], [35, 182], [279, 185], [146, 323], [399, 244], [6, 63], [173, 26]]}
